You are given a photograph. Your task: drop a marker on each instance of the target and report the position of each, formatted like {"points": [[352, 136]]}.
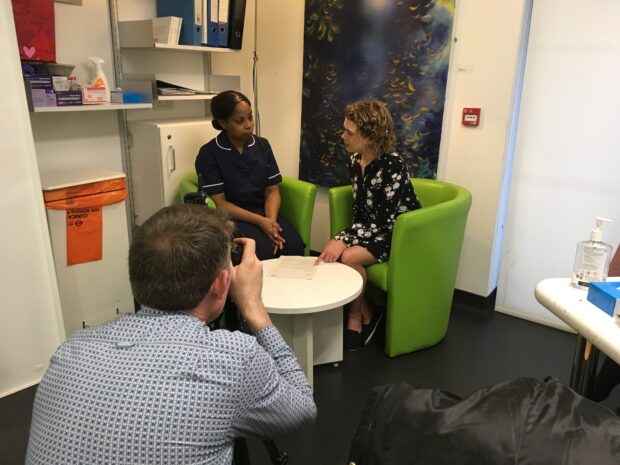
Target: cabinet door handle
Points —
{"points": [[172, 159]]}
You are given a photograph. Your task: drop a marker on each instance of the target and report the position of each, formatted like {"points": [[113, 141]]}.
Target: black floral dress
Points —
{"points": [[379, 196]]}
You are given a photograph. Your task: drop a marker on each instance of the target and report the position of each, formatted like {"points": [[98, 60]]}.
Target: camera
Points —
{"points": [[199, 197], [236, 252]]}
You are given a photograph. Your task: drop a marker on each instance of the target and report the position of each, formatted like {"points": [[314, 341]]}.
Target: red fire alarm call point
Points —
{"points": [[471, 117]]}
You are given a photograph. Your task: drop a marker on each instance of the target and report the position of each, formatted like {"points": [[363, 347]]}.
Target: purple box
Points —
{"points": [[68, 97], [38, 81], [43, 98]]}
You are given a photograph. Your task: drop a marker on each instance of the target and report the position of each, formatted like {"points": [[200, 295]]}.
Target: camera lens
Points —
{"points": [[236, 251]]}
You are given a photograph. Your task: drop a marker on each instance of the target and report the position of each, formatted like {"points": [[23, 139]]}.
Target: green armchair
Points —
{"points": [[418, 280], [297, 202]]}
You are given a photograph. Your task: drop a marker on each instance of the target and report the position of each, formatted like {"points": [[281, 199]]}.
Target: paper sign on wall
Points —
{"points": [[84, 235]]}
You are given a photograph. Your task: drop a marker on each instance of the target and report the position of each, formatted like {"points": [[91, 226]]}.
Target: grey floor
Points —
{"points": [[481, 348]]}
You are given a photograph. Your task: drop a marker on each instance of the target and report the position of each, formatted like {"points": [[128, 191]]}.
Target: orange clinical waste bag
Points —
{"points": [[83, 204]]}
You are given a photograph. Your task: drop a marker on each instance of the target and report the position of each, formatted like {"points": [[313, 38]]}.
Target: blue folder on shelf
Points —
{"points": [[223, 12], [211, 15], [191, 12]]}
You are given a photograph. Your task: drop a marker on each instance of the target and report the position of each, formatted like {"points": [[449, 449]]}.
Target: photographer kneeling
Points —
{"points": [[159, 386]]}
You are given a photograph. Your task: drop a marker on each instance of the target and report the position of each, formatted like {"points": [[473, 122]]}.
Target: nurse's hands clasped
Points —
{"points": [[332, 252], [273, 229]]}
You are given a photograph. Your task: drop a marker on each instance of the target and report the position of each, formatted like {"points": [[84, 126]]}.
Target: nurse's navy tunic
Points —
{"points": [[243, 178]]}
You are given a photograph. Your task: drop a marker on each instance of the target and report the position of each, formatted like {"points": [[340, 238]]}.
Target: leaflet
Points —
{"points": [[292, 267]]}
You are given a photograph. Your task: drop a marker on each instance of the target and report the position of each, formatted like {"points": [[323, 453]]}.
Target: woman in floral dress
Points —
{"points": [[381, 191]]}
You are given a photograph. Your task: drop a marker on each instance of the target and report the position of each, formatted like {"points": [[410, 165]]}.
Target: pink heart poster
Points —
{"points": [[34, 24]]}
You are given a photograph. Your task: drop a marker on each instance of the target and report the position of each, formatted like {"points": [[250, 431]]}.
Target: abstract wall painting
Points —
{"points": [[396, 51]]}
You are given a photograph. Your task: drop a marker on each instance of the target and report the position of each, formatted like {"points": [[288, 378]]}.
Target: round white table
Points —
{"points": [[308, 312]]}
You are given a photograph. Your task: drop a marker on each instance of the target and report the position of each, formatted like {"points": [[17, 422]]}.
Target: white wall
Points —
{"points": [[31, 326], [566, 160], [482, 74], [80, 139]]}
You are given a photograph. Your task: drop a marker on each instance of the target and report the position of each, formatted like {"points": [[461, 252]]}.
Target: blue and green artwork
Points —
{"points": [[390, 50]]}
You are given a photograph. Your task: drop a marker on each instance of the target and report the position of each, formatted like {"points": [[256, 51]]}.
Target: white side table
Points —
{"points": [[596, 330], [308, 313]]}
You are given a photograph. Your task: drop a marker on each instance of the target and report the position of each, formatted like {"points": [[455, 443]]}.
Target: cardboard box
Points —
{"points": [[69, 97], [39, 81], [93, 95], [606, 296], [61, 83], [43, 98], [125, 97]]}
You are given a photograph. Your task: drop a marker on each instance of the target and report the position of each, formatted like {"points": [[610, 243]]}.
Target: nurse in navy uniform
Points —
{"points": [[240, 174]]}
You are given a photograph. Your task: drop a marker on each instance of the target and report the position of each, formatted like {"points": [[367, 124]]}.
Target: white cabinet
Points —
{"points": [[161, 153]]}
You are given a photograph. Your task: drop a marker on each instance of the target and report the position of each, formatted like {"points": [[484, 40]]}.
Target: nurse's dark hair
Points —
{"points": [[176, 254], [374, 121], [223, 105]]}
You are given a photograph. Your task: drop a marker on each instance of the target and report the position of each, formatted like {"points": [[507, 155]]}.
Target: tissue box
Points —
{"points": [[93, 95], [606, 296]]}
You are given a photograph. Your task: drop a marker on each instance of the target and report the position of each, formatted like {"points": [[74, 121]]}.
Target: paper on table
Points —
{"points": [[294, 268]]}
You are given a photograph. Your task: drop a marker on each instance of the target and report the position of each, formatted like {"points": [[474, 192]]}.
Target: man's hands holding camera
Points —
{"points": [[246, 287]]}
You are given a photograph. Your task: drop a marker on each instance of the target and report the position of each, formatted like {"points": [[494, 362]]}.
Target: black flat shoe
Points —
{"points": [[369, 330], [352, 340]]}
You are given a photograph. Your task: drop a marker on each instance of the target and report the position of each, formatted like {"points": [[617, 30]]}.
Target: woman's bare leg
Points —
{"points": [[359, 311]]}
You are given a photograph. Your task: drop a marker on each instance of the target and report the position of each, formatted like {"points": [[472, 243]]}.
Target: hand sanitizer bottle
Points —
{"points": [[592, 258]]}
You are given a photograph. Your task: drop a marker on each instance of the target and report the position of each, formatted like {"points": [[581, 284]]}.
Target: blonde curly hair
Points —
{"points": [[374, 121]]}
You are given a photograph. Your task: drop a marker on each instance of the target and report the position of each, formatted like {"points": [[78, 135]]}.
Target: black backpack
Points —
{"points": [[524, 421]]}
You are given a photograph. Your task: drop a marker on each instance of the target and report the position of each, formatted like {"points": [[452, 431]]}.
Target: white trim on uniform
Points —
{"points": [[218, 144], [274, 176], [230, 148]]}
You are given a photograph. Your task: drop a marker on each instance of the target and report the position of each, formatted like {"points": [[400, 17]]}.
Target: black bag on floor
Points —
{"points": [[524, 421]]}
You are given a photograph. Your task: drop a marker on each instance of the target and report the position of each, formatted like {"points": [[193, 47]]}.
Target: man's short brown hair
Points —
{"points": [[176, 254]]}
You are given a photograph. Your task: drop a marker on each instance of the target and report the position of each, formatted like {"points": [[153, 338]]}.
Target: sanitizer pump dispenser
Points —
{"points": [[592, 258]]}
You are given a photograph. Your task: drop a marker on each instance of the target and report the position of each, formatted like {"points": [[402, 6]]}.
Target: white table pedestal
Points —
{"points": [[316, 339], [308, 313]]}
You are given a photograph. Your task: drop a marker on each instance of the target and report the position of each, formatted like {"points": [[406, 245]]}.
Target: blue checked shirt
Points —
{"points": [[161, 388]]}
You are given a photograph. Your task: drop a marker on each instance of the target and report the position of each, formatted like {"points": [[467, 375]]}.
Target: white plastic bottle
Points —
{"points": [[592, 258], [99, 79]]}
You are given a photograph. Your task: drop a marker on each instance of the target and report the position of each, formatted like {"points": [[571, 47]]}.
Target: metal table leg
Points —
{"points": [[585, 362]]}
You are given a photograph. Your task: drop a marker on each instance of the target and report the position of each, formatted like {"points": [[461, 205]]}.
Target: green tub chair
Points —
{"points": [[297, 202], [418, 280]]}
